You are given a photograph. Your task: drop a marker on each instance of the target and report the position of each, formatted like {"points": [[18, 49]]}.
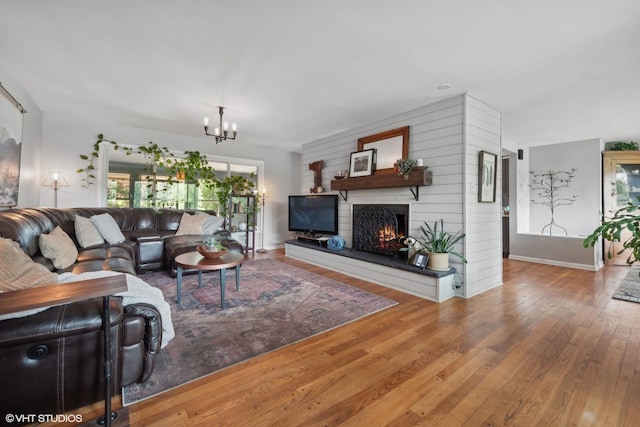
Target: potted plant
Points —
{"points": [[436, 243], [624, 227], [403, 166], [211, 248]]}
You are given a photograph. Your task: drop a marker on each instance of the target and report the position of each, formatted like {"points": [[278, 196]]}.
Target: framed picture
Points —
{"points": [[487, 170], [419, 260], [390, 146], [10, 148], [361, 163]]}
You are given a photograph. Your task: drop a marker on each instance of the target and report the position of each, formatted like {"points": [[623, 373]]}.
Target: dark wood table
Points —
{"points": [[195, 261], [65, 293]]}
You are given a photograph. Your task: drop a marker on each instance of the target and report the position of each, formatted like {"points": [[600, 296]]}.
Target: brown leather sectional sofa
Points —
{"points": [[51, 362]]}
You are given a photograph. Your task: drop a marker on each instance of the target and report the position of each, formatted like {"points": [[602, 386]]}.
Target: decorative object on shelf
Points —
{"points": [[316, 167], [211, 249], [436, 243], [234, 185], [335, 243], [11, 117], [403, 166], [487, 170], [361, 163], [627, 220], [389, 145], [419, 259], [221, 133], [262, 250], [55, 180], [549, 184], [417, 177], [622, 146], [341, 174]]}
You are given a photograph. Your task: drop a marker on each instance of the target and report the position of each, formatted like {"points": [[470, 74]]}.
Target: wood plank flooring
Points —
{"points": [[549, 348]]}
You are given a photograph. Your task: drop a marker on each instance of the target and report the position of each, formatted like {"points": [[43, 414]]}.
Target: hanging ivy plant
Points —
{"points": [[193, 168]]}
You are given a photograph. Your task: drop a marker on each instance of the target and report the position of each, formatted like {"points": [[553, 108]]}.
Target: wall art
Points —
{"points": [[10, 148]]}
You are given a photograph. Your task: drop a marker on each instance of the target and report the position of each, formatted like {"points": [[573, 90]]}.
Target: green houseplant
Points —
{"points": [[435, 240], [623, 226], [193, 168]]}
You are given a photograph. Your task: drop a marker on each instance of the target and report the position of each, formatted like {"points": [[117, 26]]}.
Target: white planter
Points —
{"points": [[438, 261]]}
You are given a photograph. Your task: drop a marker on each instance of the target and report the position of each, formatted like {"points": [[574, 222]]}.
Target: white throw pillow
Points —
{"points": [[59, 248], [86, 232], [19, 271], [211, 224], [191, 224], [108, 228]]}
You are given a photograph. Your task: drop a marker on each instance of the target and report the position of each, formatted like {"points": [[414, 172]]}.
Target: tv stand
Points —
{"points": [[316, 238]]}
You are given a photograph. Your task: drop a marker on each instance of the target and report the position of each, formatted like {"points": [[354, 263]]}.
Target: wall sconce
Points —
{"points": [[55, 180]]}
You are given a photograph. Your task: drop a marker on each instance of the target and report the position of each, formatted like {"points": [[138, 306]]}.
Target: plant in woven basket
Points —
{"points": [[403, 166]]}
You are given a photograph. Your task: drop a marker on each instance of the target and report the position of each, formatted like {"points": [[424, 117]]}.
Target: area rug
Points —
{"points": [[629, 289], [277, 305]]}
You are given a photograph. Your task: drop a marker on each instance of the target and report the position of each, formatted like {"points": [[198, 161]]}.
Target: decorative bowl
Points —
{"points": [[339, 176], [211, 255]]}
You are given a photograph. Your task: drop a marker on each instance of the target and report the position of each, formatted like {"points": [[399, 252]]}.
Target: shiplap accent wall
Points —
{"points": [[436, 135], [483, 221]]}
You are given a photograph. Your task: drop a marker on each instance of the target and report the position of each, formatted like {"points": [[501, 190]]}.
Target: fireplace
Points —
{"points": [[379, 228]]}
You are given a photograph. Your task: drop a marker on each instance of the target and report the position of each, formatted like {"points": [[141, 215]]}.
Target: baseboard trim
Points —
{"points": [[556, 263]]}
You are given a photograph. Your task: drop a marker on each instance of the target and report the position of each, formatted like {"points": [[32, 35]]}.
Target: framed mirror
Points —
{"points": [[390, 146]]}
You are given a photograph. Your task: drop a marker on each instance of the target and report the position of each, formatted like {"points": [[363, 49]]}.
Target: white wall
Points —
{"points": [[66, 138], [30, 170], [483, 221], [581, 217], [436, 135]]}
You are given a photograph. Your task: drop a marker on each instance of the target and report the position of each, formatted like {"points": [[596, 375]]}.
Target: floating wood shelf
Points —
{"points": [[418, 177]]}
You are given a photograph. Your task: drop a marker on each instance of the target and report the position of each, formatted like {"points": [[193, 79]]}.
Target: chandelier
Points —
{"points": [[220, 133]]}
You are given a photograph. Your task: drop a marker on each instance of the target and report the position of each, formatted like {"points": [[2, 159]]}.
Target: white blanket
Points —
{"points": [[138, 291]]}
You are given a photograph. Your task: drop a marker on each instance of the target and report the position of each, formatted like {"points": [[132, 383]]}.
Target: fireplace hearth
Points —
{"points": [[380, 228]]}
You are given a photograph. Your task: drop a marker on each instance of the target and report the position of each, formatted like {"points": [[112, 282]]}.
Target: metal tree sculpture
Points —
{"points": [[548, 184]]}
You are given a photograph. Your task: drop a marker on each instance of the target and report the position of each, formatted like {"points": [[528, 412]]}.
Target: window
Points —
{"points": [[130, 185]]}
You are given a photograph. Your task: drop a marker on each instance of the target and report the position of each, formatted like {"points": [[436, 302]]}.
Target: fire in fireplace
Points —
{"points": [[380, 228]]}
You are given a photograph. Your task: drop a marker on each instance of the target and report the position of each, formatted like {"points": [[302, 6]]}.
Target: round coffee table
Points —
{"points": [[195, 261]]}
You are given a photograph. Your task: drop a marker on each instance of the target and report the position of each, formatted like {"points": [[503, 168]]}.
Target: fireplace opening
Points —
{"points": [[380, 228]]}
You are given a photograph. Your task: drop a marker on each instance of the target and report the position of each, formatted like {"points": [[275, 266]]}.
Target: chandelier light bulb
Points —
{"points": [[234, 127], [225, 125], [217, 131], [206, 121]]}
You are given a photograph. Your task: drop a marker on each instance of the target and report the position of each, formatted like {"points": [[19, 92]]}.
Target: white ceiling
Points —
{"points": [[291, 71]]}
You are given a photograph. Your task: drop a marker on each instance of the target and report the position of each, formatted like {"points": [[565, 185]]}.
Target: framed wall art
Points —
{"points": [[487, 170], [10, 147], [361, 163], [419, 260], [390, 146]]}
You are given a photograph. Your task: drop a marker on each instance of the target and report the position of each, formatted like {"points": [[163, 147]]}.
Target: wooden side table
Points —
{"points": [[65, 293], [195, 261]]}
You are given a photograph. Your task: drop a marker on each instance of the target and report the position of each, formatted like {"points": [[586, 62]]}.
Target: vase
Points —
{"points": [[438, 261]]}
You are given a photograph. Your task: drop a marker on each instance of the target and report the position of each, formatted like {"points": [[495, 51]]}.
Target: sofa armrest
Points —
{"points": [[143, 334]]}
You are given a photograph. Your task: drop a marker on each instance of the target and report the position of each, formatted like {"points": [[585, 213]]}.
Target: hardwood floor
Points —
{"points": [[549, 348]]}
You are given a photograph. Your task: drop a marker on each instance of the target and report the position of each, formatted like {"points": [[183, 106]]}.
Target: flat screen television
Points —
{"points": [[314, 214]]}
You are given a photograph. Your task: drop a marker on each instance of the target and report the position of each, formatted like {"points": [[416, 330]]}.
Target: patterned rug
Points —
{"points": [[629, 289], [277, 305]]}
